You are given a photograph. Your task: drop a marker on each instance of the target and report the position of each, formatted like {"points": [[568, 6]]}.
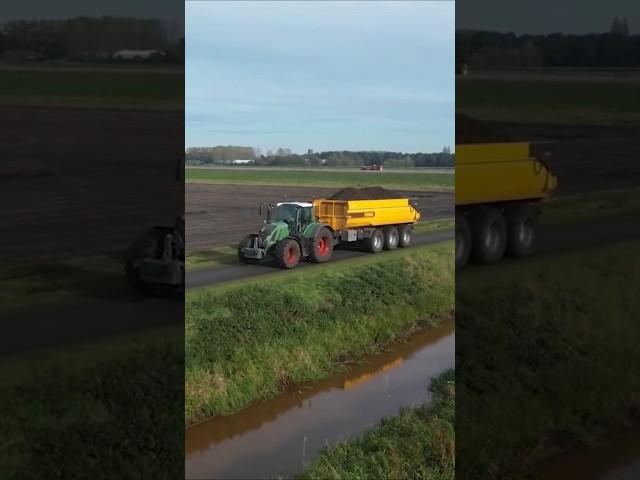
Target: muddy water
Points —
{"points": [[619, 459], [278, 437]]}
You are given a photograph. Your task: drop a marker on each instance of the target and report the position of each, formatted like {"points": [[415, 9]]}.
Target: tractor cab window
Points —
{"points": [[287, 212], [305, 216]]}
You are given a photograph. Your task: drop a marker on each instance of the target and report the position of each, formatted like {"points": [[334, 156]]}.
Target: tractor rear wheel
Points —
{"points": [[288, 253], [391, 238], [375, 242], [246, 243], [322, 246]]}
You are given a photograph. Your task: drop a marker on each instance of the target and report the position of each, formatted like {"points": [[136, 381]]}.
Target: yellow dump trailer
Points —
{"points": [[499, 187], [350, 214]]}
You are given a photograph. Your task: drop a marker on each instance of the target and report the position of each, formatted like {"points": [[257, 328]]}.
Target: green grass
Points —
{"points": [[435, 225], [419, 443], [592, 206], [549, 100], [248, 340], [397, 180], [212, 257], [547, 357], [68, 281], [117, 89], [111, 409]]}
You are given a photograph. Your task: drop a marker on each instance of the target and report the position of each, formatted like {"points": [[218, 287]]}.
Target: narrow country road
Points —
{"points": [[225, 273]]}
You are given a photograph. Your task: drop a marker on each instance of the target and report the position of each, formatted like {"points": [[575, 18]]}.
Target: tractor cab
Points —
{"points": [[297, 215]]}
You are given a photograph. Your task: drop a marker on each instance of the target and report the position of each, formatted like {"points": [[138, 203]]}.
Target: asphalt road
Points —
{"points": [[215, 275]]}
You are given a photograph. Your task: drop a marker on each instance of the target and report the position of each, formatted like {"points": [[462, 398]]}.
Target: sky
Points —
{"points": [[546, 16], [320, 75]]}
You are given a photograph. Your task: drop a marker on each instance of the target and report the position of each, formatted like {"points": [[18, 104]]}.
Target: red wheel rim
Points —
{"points": [[291, 255], [323, 246]]}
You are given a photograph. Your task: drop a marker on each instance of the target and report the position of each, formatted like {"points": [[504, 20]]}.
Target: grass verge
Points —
{"points": [[92, 89], [549, 100], [397, 180], [70, 281], [592, 206], [547, 357], [435, 225], [247, 341], [212, 257], [109, 409], [418, 443]]}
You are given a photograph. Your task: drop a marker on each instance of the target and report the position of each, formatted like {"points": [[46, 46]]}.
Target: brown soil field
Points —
{"points": [[584, 157], [77, 182], [587, 157], [224, 214]]}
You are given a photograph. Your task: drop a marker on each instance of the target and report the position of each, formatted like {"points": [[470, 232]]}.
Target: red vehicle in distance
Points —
{"points": [[371, 167]]}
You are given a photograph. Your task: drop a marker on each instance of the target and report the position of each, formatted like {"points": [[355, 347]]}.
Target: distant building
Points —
{"points": [[138, 54]]}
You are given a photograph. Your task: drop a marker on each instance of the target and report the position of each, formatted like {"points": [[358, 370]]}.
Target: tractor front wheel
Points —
{"points": [[288, 253]]}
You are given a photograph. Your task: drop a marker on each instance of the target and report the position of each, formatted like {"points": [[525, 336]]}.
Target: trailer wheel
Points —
{"points": [[288, 253], [463, 240], [522, 222], [488, 234], [246, 243], [322, 246], [404, 233], [391, 238], [375, 243]]}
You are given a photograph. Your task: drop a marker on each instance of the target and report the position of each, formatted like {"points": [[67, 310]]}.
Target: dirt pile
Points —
{"points": [[368, 193], [470, 130]]}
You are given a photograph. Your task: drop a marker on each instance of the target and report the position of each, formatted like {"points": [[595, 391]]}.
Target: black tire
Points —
{"points": [[463, 240], [287, 253], [245, 243], [522, 223], [391, 238], [322, 246], [488, 234], [375, 243], [404, 235]]}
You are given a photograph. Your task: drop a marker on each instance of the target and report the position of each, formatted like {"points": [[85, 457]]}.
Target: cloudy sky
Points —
{"points": [[546, 16], [325, 76]]}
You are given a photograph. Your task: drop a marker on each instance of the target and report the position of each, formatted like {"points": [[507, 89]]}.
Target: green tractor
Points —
{"points": [[290, 234]]}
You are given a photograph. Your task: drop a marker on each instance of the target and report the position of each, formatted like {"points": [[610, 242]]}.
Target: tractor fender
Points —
{"points": [[313, 228]]}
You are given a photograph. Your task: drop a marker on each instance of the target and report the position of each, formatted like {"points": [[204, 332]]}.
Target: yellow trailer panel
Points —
{"points": [[500, 172], [348, 214]]}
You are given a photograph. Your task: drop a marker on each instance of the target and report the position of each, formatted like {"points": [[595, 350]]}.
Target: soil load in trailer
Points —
{"points": [[295, 231]]}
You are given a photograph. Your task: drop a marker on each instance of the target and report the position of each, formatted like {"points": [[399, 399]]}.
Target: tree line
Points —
{"points": [[221, 155], [88, 38], [616, 48]]}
